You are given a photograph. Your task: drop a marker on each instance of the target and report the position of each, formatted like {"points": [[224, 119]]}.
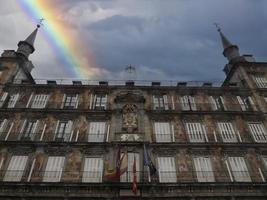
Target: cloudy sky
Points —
{"points": [[170, 39]]}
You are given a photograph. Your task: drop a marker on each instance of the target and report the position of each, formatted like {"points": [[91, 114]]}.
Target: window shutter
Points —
{"points": [[155, 102], [68, 130], [104, 102], [3, 99], [16, 168], [56, 129], [213, 103], [96, 131], [227, 132], [29, 101], [163, 132], [54, 168], [252, 104], [13, 100], [222, 102], [77, 101], [195, 132], [93, 169], [3, 126], [239, 169], [241, 103], [258, 132], [34, 130], [184, 103], [165, 100], [22, 129], [63, 101], [167, 169], [192, 103], [203, 169]]}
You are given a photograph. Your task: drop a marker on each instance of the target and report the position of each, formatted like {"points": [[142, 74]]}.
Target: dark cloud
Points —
{"points": [[163, 39]]}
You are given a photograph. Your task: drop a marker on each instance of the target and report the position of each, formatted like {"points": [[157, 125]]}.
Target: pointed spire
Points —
{"points": [[26, 47], [230, 51]]}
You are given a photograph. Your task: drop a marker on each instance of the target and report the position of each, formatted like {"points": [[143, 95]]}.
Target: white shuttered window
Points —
{"points": [[196, 132], [167, 170], [258, 132], [163, 132], [92, 170], [97, 131], [39, 101], [239, 169], [203, 169], [188, 103], [217, 103], [3, 99], [3, 126], [128, 175], [227, 131], [13, 100], [63, 130], [160, 102], [246, 103], [260, 80], [16, 168], [54, 168]]}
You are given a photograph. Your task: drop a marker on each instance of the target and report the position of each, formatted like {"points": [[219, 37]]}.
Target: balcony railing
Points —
{"points": [[201, 107], [57, 105], [127, 177]]}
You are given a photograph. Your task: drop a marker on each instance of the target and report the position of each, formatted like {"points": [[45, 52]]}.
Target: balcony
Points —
{"points": [[57, 105], [143, 177], [201, 107]]}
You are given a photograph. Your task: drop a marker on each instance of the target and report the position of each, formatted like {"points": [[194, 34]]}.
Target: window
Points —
{"points": [[264, 159], [160, 102], [188, 103], [54, 168], [167, 169], [239, 169], [128, 175], [97, 131], [63, 130], [13, 100], [164, 132], [246, 103], [217, 103], [99, 102], [3, 126], [70, 101], [260, 80], [196, 132], [3, 99], [203, 169], [227, 131], [29, 129], [15, 169], [39, 100], [258, 132], [92, 170]]}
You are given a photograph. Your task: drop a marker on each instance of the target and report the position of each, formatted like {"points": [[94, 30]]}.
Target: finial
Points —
{"points": [[130, 69], [217, 25], [40, 23]]}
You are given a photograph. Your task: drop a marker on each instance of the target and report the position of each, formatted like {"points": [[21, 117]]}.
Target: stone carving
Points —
{"points": [[130, 137], [129, 117]]}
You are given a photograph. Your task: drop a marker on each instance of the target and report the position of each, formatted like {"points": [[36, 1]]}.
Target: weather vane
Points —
{"points": [[40, 23], [217, 26], [130, 69]]}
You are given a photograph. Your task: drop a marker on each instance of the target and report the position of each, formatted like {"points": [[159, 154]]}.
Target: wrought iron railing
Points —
{"points": [[202, 107], [142, 176]]}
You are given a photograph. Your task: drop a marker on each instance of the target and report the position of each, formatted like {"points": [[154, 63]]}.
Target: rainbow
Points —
{"points": [[71, 51]]}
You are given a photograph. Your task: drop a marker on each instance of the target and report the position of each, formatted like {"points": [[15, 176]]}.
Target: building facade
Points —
{"points": [[60, 140]]}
